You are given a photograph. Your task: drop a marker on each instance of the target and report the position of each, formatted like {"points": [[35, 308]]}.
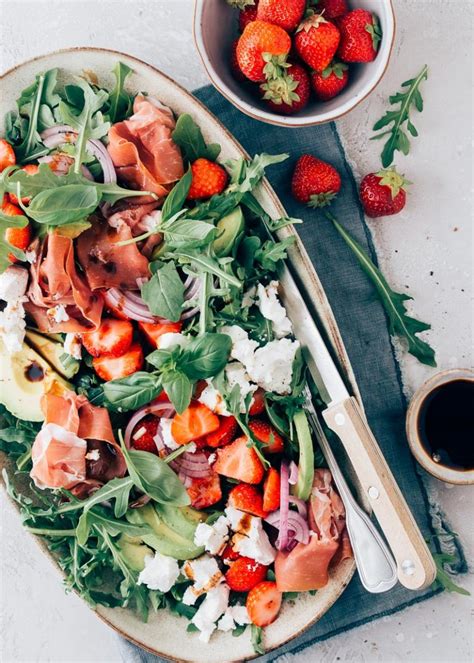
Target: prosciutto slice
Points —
{"points": [[142, 149], [106, 264], [306, 567], [56, 282], [75, 448]]}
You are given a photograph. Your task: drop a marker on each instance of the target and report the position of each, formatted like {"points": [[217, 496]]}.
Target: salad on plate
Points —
{"points": [[151, 382]]}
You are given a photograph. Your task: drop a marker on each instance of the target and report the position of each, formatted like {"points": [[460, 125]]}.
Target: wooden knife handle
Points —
{"points": [[415, 566]]}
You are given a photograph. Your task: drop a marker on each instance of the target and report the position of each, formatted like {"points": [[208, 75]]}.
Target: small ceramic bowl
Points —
{"points": [[438, 470], [215, 28]]}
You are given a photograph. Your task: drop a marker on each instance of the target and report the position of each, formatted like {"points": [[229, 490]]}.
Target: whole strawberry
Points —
{"points": [[208, 180], [247, 15], [315, 182], [383, 193], [262, 51], [316, 41], [286, 14], [234, 65], [333, 8], [331, 81], [360, 36], [289, 93]]}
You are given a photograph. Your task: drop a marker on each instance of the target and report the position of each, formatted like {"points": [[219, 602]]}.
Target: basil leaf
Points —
{"points": [[189, 137], [112, 192], [158, 358], [179, 389], [177, 196], [67, 204], [190, 234], [164, 293], [121, 101], [206, 356], [132, 392], [155, 478]]}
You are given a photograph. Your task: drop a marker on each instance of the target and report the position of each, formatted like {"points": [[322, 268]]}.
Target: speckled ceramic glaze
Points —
{"points": [[165, 634], [215, 28]]}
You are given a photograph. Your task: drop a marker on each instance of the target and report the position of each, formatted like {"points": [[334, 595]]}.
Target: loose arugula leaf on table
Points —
{"points": [[7, 221], [398, 138], [189, 137], [400, 324], [164, 292], [443, 579], [120, 101], [89, 122]]}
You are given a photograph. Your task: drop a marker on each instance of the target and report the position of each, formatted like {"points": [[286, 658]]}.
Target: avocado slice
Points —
{"points": [[173, 533], [229, 228], [134, 551], [306, 459], [24, 377], [52, 350]]}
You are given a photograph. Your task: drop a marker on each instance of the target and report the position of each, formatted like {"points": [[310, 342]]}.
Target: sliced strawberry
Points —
{"points": [[258, 404], [205, 492], [7, 155], [271, 490], [143, 434], [263, 603], [238, 461], [244, 574], [30, 169], [268, 435], [154, 331], [247, 498], [112, 368], [112, 339], [199, 388], [229, 554], [228, 427], [162, 398], [197, 420]]}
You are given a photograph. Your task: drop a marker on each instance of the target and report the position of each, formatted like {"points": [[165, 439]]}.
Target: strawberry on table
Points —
{"points": [[113, 368], [264, 603], [30, 169], [383, 193], [7, 155], [113, 338], [262, 51], [333, 8], [265, 433], [239, 461], [287, 13], [290, 93], [204, 492], [248, 498], [226, 432], [271, 491], [20, 238], [331, 81], [247, 14], [316, 41], [195, 422], [209, 179], [314, 181], [143, 434], [154, 331], [360, 36], [244, 574]]}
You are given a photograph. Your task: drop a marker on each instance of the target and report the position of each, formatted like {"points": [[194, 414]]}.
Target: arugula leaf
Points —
{"points": [[177, 196], [206, 356], [400, 324], [256, 635], [207, 264], [164, 292], [64, 205], [117, 489], [443, 579], [89, 122], [114, 527], [398, 138], [189, 137], [132, 392], [271, 253], [7, 221], [179, 389], [120, 101], [155, 478]]}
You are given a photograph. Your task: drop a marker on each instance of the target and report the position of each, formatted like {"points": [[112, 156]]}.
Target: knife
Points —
{"points": [[343, 415]]}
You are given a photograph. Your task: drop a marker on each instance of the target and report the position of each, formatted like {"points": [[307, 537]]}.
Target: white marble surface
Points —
{"points": [[427, 248]]}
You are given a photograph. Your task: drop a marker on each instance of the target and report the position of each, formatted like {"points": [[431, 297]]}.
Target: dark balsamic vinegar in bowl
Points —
{"points": [[446, 425]]}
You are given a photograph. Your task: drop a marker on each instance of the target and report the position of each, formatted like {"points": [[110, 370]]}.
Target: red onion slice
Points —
{"points": [[159, 409], [300, 505], [293, 469], [118, 299], [298, 529], [283, 512]]}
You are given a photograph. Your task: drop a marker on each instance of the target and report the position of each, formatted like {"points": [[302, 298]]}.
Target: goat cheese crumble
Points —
{"points": [[58, 314], [166, 434], [250, 539], [212, 399], [73, 346], [214, 606], [170, 340], [212, 537], [160, 572], [243, 348], [271, 309], [272, 368], [205, 573], [235, 615]]}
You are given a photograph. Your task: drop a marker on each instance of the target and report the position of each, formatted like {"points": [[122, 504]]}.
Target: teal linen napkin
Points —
{"points": [[363, 326]]}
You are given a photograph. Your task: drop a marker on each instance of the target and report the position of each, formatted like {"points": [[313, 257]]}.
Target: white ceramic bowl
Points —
{"points": [[215, 28]]}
